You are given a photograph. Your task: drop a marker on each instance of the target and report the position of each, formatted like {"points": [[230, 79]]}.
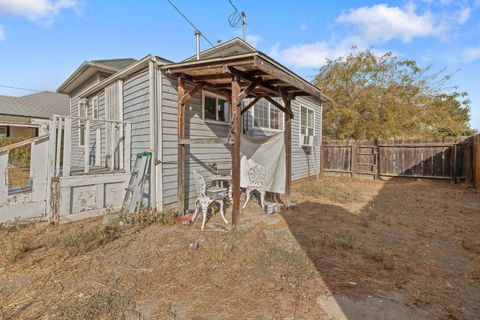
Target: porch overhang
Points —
{"points": [[270, 78], [249, 75]]}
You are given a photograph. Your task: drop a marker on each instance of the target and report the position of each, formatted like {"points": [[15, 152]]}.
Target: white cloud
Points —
{"points": [[464, 15], [470, 54], [40, 11], [2, 33], [312, 55], [381, 23], [253, 39]]}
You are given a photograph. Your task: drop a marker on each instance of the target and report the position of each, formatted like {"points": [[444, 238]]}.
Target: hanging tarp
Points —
{"points": [[267, 151]]}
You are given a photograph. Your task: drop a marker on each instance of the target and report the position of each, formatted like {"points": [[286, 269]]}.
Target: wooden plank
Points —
{"points": [[191, 93], [127, 147], [38, 169], [86, 145], [204, 141], [22, 143], [242, 95], [235, 103], [251, 104], [51, 163], [288, 149], [3, 176], [476, 160], [98, 146], [181, 149], [67, 147], [279, 106], [58, 146]]}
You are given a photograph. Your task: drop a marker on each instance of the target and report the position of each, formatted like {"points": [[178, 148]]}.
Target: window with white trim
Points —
{"points": [[307, 121], [94, 107], [267, 116], [3, 132], [215, 108]]}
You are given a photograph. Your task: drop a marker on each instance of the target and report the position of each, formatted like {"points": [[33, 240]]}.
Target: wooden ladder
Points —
{"points": [[134, 191]]}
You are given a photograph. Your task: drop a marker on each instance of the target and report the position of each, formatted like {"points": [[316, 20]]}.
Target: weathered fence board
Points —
{"points": [[435, 158]]}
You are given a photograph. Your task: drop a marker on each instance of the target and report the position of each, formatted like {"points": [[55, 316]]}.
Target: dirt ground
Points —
{"points": [[350, 249]]}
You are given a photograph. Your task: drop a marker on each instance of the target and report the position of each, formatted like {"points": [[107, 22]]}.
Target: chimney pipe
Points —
{"points": [[197, 35]]}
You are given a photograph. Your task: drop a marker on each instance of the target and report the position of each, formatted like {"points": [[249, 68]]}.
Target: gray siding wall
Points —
{"points": [[197, 156], [305, 162], [136, 110]]}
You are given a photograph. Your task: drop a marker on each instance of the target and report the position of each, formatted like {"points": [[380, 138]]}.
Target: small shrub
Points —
{"points": [[376, 256], [340, 240]]}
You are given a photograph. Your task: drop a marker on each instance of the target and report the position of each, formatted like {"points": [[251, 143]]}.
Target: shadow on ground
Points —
{"points": [[401, 249]]}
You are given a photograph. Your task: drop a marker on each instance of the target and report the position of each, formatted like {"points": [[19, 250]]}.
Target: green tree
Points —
{"points": [[388, 96]]}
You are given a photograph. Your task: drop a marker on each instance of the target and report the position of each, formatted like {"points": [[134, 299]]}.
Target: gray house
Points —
{"points": [[25, 116], [122, 107]]}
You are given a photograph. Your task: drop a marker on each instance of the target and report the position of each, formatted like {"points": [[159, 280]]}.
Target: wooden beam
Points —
{"points": [[262, 85], [279, 106], [181, 149], [204, 141], [235, 104], [190, 93], [242, 95], [280, 74], [288, 150], [251, 104]]}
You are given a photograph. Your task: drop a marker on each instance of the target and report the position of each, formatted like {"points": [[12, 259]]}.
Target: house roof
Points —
{"points": [[38, 105], [116, 63], [89, 68], [228, 48]]}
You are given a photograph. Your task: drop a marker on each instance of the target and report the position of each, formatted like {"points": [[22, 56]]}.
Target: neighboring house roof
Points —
{"points": [[90, 68], [38, 105], [116, 63]]}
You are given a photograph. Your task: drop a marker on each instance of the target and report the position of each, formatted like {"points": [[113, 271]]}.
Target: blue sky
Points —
{"points": [[43, 41]]}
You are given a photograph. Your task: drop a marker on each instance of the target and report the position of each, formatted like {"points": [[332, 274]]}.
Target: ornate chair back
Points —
{"points": [[257, 175], [200, 184]]}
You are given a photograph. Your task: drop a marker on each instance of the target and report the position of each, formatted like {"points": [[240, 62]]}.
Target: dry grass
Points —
{"points": [[333, 191], [416, 238]]}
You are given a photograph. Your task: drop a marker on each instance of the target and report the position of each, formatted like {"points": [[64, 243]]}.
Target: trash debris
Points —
{"points": [[194, 246]]}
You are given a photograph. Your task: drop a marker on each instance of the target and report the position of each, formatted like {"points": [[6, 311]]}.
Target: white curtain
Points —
{"points": [[267, 151]]}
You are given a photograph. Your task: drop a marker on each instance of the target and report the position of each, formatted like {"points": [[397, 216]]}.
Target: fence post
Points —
{"points": [[353, 158], [86, 145], [67, 147], [3, 176], [476, 160]]}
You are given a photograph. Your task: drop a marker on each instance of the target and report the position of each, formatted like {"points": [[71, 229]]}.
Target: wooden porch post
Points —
{"points": [[288, 148], [235, 103], [181, 148]]}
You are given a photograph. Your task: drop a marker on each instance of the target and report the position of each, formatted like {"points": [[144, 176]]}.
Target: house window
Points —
{"points": [[267, 116], [307, 121], [3, 132], [215, 108], [83, 113], [94, 107]]}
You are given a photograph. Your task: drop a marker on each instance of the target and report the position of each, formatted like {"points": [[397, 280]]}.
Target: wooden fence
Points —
{"points": [[435, 158]]}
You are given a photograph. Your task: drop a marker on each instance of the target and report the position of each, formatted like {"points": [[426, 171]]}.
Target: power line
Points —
{"points": [[190, 22], [18, 88]]}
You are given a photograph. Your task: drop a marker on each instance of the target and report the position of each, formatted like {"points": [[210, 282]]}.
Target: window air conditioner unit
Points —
{"points": [[306, 141]]}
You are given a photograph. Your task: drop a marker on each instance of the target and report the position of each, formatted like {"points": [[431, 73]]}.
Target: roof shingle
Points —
{"points": [[38, 105]]}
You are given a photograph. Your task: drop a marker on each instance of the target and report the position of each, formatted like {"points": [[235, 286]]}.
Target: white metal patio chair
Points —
{"points": [[204, 200], [256, 181]]}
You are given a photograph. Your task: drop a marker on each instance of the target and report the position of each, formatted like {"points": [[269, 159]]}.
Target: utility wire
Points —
{"points": [[190, 22], [17, 88]]}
